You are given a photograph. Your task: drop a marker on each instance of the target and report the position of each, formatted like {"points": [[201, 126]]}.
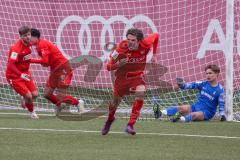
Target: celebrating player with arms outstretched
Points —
{"points": [[60, 70], [128, 61], [17, 73], [211, 95]]}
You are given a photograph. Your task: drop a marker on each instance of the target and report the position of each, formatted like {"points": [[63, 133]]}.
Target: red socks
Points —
{"points": [[52, 98], [67, 99], [70, 100], [111, 112], [134, 115], [29, 106], [135, 111]]}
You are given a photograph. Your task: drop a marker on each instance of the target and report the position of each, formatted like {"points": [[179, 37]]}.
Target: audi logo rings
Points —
{"points": [[107, 28]]}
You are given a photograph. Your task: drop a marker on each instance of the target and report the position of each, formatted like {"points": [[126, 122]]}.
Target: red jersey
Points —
{"points": [[50, 54], [18, 60], [136, 58]]}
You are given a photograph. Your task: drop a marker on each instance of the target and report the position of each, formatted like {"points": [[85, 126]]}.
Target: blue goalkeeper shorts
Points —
{"points": [[201, 108]]}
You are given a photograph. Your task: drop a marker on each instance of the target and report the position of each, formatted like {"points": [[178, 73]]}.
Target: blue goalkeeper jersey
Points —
{"points": [[210, 97]]}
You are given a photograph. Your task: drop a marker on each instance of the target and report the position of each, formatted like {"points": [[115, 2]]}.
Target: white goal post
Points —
{"points": [[225, 44]]}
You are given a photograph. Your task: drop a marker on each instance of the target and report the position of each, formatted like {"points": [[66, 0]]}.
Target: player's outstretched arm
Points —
{"points": [[43, 60], [37, 61], [152, 40], [191, 85], [155, 39]]}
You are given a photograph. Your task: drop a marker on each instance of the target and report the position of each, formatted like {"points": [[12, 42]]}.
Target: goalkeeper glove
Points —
{"points": [[25, 77], [180, 82], [223, 118]]}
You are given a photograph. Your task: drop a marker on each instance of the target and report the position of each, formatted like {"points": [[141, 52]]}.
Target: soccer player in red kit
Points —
{"points": [[18, 74], [60, 70], [129, 61]]}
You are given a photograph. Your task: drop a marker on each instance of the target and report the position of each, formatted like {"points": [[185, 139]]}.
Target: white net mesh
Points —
{"points": [[236, 60], [84, 27]]}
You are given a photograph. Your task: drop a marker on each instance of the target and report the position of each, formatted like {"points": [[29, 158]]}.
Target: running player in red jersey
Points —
{"points": [[129, 61], [18, 74], [60, 71]]}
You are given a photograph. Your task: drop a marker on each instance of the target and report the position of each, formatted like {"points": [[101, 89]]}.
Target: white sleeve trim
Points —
{"points": [[115, 54]]}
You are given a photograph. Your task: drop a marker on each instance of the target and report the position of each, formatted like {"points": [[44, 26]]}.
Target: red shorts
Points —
{"points": [[21, 86], [60, 78], [125, 87]]}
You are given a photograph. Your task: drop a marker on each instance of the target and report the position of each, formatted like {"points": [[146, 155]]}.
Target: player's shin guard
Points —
{"points": [[111, 112], [135, 111], [70, 100], [29, 106]]}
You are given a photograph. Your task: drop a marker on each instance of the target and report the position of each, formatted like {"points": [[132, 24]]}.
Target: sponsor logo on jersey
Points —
{"points": [[207, 95], [134, 60]]}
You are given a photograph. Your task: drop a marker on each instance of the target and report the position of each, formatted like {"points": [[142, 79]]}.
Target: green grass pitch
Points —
{"points": [[53, 139]]}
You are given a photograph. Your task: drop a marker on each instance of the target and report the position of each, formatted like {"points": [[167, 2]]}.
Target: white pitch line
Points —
{"points": [[87, 131], [27, 114]]}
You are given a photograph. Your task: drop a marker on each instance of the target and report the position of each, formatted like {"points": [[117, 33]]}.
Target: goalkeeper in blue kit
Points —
{"points": [[211, 95]]}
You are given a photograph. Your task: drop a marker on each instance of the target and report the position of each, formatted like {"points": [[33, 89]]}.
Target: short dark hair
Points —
{"points": [[35, 33], [135, 32], [213, 67], [23, 30]]}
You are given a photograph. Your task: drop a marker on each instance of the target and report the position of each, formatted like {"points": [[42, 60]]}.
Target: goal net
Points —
{"points": [[192, 35]]}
